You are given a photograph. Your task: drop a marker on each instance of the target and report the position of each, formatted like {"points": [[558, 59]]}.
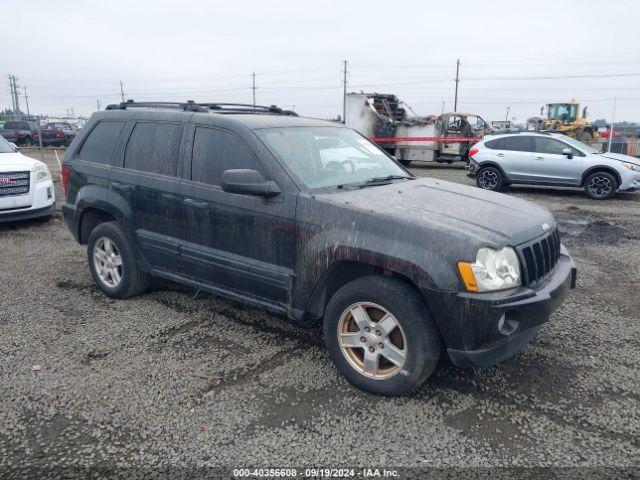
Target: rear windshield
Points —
{"points": [[15, 125]]}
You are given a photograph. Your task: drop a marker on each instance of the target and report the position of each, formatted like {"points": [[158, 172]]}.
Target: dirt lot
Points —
{"points": [[170, 379]]}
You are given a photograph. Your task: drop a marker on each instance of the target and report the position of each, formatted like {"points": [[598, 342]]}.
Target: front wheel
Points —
{"points": [[585, 137], [600, 186], [380, 335], [489, 178], [112, 262]]}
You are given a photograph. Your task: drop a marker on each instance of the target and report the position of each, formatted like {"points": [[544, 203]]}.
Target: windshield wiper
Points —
{"points": [[386, 179], [374, 181]]}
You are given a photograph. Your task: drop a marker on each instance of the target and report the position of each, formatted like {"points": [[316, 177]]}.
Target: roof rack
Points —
{"points": [[191, 106], [529, 132]]}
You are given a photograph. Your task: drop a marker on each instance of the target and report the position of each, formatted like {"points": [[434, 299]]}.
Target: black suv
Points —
{"points": [[309, 219]]}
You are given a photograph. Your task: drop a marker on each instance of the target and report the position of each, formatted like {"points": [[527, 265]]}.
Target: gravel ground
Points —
{"points": [[170, 379]]}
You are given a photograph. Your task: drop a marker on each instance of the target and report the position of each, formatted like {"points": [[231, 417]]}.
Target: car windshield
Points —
{"points": [[5, 147], [579, 145], [330, 156]]}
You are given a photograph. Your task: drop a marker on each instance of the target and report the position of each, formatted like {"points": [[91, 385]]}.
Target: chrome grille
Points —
{"points": [[539, 257], [14, 183]]}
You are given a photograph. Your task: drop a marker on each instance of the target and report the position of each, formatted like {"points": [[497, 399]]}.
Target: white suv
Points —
{"points": [[26, 188], [539, 158]]}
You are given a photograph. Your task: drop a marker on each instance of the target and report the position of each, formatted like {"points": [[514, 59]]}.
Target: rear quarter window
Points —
{"points": [[153, 147], [98, 146], [493, 144]]}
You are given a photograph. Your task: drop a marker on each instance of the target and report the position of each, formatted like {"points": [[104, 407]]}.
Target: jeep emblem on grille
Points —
{"points": [[545, 227]]}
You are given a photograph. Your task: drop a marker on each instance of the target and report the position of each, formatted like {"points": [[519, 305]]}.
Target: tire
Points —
{"points": [[489, 178], [414, 335], [132, 280], [585, 137], [28, 142], [600, 186]]}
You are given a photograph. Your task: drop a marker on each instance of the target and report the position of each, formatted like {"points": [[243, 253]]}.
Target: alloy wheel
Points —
{"points": [[107, 262], [372, 340], [488, 179], [600, 186]]}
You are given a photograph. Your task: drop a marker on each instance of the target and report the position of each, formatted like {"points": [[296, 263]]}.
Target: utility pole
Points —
{"points": [[26, 99], [613, 119], [13, 89], [253, 87], [344, 90], [121, 90], [13, 99], [443, 108], [506, 117], [98, 104], [455, 101]]}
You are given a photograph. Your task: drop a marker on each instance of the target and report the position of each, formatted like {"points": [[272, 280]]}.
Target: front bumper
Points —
{"points": [[482, 329], [630, 182], [39, 202], [27, 214]]}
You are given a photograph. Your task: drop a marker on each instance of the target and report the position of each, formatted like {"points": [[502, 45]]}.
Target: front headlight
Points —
{"points": [[493, 270], [632, 166], [42, 173]]}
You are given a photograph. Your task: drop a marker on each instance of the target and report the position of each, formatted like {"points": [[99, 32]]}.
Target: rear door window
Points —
{"points": [[216, 150], [98, 146], [153, 147], [517, 144]]}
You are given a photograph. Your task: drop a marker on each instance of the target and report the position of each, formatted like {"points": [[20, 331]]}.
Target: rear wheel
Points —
{"points": [[380, 335], [112, 262], [489, 178], [600, 186]]}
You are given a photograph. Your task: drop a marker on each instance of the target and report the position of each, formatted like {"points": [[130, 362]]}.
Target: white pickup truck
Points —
{"points": [[26, 187]]}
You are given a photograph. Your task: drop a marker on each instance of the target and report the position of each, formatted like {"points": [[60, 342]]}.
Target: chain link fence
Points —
{"points": [[32, 132]]}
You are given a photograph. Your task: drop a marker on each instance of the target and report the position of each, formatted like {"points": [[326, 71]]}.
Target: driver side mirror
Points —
{"points": [[14, 146], [248, 182], [567, 152]]}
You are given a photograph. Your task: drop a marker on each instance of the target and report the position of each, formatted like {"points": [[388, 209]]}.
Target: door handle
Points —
{"points": [[539, 158], [195, 204], [123, 187], [499, 154], [170, 196]]}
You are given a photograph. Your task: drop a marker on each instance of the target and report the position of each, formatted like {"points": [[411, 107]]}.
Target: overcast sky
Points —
{"points": [[71, 54]]}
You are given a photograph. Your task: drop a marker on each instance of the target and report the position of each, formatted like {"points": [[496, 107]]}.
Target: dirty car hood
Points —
{"points": [[491, 218]]}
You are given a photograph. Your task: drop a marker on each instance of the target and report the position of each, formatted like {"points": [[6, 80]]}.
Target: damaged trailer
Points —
{"points": [[384, 119]]}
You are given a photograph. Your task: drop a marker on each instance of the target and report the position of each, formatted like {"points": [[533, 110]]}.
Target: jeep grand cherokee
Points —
{"points": [[309, 219]]}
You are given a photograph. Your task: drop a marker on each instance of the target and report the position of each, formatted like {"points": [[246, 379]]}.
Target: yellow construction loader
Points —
{"points": [[563, 118]]}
